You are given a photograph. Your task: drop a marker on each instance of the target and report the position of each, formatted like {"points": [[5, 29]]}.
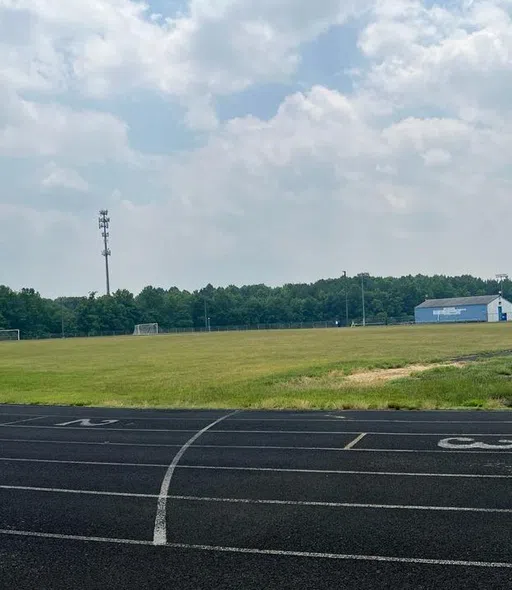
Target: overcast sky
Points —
{"points": [[243, 141]]}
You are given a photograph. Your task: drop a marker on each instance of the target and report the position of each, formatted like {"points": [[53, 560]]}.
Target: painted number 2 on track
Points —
{"points": [[88, 422], [464, 443]]}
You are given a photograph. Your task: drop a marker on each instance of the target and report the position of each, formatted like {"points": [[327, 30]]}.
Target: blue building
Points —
{"points": [[485, 308]]}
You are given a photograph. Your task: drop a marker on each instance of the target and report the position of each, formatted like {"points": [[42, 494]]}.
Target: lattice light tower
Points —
{"points": [[500, 278], [104, 223]]}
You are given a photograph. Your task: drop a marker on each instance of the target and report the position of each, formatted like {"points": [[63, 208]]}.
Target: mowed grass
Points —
{"points": [[300, 369]]}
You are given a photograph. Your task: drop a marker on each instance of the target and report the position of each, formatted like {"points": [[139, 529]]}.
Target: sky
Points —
{"points": [[241, 142]]}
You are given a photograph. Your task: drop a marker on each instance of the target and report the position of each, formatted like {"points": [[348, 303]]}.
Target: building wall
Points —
{"points": [[493, 310], [460, 313]]}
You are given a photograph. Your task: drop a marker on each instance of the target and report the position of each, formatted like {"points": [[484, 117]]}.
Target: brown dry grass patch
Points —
{"points": [[336, 380], [377, 376]]}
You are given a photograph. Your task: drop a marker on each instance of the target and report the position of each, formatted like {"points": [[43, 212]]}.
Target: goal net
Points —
{"points": [[9, 335], [145, 329]]}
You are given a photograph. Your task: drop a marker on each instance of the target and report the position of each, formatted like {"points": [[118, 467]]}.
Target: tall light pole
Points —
{"points": [[346, 297], [104, 223], [363, 275], [501, 277]]}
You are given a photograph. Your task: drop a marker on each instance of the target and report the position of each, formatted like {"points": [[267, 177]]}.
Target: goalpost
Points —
{"points": [[145, 329], [9, 335]]}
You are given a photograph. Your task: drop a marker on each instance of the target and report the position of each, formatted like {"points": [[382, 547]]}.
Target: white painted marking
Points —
{"points": [[352, 444], [288, 419], [333, 471], [24, 420], [348, 432], [160, 531], [260, 502], [341, 504], [232, 432], [59, 427], [102, 444], [88, 422], [461, 452], [271, 552], [83, 492], [140, 416], [63, 462], [270, 469], [248, 447], [470, 443]]}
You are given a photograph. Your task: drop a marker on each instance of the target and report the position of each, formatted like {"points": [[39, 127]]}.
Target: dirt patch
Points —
{"points": [[339, 380], [382, 375]]}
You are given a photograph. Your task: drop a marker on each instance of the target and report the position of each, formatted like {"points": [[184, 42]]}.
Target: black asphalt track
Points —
{"points": [[259, 500]]}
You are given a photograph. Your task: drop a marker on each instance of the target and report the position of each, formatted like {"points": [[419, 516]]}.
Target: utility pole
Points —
{"points": [[62, 319], [363, 275], [346, 297], [501, 277], [104, 222]]}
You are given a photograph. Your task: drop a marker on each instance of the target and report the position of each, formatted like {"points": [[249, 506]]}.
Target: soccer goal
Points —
{"points": [[145, 329], [9, 335]]}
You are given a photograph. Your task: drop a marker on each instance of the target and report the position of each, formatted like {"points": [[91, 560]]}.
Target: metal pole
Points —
{"points": [[363, 275], [104, 222], [346, 298], [205, 315], [501, 277], [362, 294], [107, 273], [62, 318]]}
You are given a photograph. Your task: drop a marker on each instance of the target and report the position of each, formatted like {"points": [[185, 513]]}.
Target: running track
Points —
{"points": [[191, 500]]}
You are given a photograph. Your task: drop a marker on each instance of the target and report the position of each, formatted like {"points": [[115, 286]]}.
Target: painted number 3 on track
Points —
{"points": [[464, 443]]}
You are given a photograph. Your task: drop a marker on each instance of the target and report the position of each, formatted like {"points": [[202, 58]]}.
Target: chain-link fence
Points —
{"points": [[358, 322]]}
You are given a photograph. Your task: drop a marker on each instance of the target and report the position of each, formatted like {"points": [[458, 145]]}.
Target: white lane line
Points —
{"points": [[80, 442], [316, 432], [82, 492], [90, 416], [106, 444], [440, 434], [24, 420], [207, 418], [102, 429], [466, 452], [265, 552], [261, 502], [63, 462], [160, 531], [341, 472], [249, 447], [268, 469], [341, 504], [352, 444]]}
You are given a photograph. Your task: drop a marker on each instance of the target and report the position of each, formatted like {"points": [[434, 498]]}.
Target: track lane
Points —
{"points": [[105, 566]]}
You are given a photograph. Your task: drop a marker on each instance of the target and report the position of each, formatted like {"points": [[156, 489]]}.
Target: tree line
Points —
{"points": [[387, 300]]}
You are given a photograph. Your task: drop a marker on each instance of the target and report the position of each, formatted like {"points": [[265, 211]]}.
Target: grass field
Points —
{"points": [[275, 369]]}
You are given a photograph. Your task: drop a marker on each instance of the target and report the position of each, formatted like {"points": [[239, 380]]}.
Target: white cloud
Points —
{"points": [[50, 129], [109, 46], [56, 177], [437, 157], [456, 58], [414, 159]]}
